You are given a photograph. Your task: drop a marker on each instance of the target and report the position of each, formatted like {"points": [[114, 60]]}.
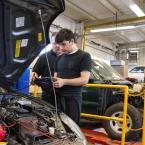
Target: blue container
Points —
{"points": [[23, 83]]}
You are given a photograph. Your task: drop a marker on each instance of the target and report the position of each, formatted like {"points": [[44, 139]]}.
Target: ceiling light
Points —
{"points": [[135, 8], [133, 51], [134, 48], [113, 29]]}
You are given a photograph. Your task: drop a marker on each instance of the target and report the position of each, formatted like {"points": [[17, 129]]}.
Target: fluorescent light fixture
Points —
{"points": [[127, 56], [113, 29], [133, 51], [135, 48], [135, 8]]}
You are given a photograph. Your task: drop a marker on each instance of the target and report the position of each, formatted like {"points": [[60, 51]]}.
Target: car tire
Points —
{"points": [[114, 128]]}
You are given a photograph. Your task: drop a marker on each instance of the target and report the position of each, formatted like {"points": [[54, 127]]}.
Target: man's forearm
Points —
{"points": [[75, 82], [80, 81]]}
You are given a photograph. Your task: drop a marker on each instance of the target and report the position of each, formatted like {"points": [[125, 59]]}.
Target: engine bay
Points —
{"points": [[30, 121]]}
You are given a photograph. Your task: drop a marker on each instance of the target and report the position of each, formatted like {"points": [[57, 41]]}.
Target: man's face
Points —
{"points": [[66, 46], [55, 47]]}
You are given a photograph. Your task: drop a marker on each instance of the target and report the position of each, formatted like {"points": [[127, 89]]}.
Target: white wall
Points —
{"points": [[102, 41], [141, 59], [63, 22], [101, 51]]}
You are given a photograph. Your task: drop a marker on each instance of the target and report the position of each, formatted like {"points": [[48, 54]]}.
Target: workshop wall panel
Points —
{"points": [[101, 53]]}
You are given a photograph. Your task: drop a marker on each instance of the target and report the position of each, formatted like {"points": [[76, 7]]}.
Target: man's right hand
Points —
{"points": [[32, 77], [58, 82]]}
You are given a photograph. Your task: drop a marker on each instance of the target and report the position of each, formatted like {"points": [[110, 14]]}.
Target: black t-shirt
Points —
{"points": [[41, 66], [69, 66]]}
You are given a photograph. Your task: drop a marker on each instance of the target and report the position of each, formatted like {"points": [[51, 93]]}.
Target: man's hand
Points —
{"points": [[58, 82], [80, 81], [32, 77]]}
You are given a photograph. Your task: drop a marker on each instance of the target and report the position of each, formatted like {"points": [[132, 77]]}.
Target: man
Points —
{"points": [[72, 71], [41, 69]]}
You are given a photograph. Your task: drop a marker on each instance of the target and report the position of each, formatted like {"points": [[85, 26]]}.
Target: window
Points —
{"points": [[137, 70]]}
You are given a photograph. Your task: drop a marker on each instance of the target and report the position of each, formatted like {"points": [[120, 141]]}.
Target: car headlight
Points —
{"points": [[75, 128]]}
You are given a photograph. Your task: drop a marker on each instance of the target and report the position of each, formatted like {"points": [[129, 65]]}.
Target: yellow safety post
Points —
{"points": [[124, 115], [3, 143], [113, 118], [84, 39], [143, 132], [35, 91]]}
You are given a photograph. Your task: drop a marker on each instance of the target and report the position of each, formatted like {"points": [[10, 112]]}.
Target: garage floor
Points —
{"points": [[97, 135]]}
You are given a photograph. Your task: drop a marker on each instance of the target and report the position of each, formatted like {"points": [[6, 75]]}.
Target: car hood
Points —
{"points": [[21, 35], [122, 82]]}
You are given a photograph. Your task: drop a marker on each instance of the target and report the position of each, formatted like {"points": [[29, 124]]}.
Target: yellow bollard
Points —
{"points": [[124, 115], [35, 91], [143, 132], [3, 143]]}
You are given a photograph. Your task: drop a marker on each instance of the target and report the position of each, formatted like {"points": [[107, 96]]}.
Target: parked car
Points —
{"points": [[137, 72], [109, 102], [25, 120]]}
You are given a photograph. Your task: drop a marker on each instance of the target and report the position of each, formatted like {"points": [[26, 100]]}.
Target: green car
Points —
{"points": [[109, 102]]}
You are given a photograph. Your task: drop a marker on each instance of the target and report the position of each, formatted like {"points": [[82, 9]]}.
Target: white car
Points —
{"points": [[137, 72]]}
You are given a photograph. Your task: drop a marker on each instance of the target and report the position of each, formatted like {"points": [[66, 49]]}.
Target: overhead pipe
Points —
{"points": [[89, 27]]}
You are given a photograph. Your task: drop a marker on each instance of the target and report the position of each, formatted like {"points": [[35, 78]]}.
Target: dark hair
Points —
{"points": [[64, 35]]}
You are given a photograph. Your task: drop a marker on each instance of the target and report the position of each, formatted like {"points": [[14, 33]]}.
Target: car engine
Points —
{"points": [[25, 120]]}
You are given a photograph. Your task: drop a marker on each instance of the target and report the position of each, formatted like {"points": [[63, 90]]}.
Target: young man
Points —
{"points": [[72, 71], [41, 68]]}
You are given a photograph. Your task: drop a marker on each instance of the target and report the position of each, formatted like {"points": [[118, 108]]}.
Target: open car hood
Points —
{"points": [[21, 35]]}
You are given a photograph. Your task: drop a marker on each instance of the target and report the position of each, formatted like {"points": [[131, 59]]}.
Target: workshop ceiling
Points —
{"points": [[109, 13]]}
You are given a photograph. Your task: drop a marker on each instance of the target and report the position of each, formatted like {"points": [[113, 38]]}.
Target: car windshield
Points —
{"points": [[137, 70], [105, 71]]}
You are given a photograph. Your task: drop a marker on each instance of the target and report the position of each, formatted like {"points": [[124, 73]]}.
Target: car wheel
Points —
{"points": [[114, 128]]}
